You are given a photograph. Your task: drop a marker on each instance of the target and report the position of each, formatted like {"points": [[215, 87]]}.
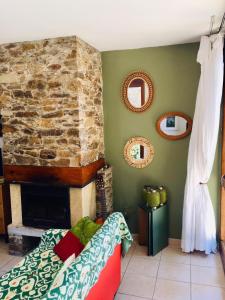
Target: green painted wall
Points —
{"points": [[175, 76]]}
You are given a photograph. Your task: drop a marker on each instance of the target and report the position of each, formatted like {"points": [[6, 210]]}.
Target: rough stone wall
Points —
{"points": [[90, 102], [51, 103]]}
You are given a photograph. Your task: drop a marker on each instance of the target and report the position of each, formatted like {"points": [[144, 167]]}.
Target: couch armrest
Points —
{"points": [[52, 236], [84, 272]]}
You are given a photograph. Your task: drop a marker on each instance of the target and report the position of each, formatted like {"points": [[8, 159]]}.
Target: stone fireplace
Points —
{"points": [[52, 116], [61, 205]]}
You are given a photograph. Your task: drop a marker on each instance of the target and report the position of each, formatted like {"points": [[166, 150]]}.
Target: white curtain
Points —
{"points": [[199, 228]]}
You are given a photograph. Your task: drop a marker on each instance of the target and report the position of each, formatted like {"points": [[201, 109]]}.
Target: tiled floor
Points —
{"points": [[7, 261], [170, 275]]}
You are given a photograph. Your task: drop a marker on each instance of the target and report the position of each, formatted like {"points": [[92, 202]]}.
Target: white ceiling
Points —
{"points": [[109, 24]]}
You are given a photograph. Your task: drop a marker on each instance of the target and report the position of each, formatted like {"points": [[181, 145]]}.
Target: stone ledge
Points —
{"points": [[25, 231]]}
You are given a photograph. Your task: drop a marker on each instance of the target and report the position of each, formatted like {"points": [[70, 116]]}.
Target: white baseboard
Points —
{"points": [[172, 242]]}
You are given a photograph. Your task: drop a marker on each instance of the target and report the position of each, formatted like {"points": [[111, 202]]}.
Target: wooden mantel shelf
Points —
{"points": [[70, 176]]}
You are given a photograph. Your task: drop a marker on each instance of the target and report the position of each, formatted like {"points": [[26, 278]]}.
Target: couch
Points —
{"points": [[94, 275]]}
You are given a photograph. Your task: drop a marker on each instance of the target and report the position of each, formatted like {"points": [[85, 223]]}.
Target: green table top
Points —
{"points": [[149, 209]]}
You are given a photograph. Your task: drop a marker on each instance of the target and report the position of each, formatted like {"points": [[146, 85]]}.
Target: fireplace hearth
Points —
{"points": [[45, 206]]}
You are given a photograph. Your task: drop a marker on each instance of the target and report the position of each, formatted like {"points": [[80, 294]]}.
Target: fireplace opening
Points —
{"points": [[45, 206]]}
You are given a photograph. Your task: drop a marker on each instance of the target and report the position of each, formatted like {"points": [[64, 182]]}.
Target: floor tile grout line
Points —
{"points": [[174, 262], [135, 296], [6, 263], [190, 284], [133, 255], [128, 264], [208, 285], [187, 282], [163, 278], [147, 258], [210, 267], [156, 278]]}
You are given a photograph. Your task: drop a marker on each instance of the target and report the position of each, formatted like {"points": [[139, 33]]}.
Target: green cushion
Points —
{"points": [[85, 229]]}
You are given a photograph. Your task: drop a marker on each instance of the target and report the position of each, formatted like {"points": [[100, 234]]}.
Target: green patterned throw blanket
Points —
{"points": [[33, 276]]}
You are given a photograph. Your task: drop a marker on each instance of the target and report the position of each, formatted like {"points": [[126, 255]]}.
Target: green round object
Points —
{"points": [[163, 195], [152, 198]]}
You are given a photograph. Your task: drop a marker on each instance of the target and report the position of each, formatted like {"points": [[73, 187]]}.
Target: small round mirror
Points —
{"points": [[138, 91], [174, 125], [138, 152]]}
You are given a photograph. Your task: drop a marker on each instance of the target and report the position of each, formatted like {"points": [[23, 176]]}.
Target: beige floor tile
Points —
{"points": [[173, 254], [199, 292], [124, 263], [11, 263], [4, 251], [173, 271], [201, 259], [3, 247], [171, 290], [127, 297], [142, 266], [5, 259], [131, 249], [16, 260], [208, 276], [143, 252], [140, 250], [137, 285]]}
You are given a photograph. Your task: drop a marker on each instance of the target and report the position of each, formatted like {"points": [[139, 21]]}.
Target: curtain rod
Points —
{"points": [[221, 25]]}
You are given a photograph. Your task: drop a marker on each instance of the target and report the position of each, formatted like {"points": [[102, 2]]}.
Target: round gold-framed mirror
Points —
{"points": [[137, 91], [174, 125], [138, 152]]}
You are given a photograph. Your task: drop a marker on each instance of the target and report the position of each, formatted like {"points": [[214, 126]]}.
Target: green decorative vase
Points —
{"points": [[151, 197], [163, 195]]}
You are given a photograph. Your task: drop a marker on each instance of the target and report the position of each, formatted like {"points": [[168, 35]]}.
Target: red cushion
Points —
{"points": [[68, 245]]}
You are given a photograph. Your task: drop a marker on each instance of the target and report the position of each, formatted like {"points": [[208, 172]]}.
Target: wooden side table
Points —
{"points": [[153, 228]]}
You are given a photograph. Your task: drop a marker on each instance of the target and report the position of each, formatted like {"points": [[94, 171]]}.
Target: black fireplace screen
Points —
{"points": [[45, 206]]}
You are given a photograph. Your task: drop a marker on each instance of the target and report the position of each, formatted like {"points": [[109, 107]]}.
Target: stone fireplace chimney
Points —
{"points": [[51, 103], [52, 115]]}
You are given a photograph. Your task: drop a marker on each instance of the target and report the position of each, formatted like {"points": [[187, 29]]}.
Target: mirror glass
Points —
{"points": [[138, 152], [137, 91], [174, 125]]}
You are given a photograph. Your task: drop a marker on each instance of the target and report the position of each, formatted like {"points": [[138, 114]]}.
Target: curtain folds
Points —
{"points": [[199, 228]]}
